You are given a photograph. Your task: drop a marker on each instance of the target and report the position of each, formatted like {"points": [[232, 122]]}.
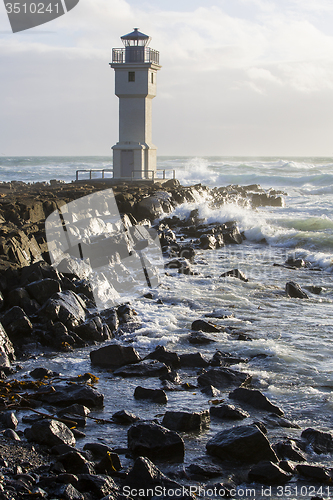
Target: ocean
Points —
{"points": [[291, 351]]}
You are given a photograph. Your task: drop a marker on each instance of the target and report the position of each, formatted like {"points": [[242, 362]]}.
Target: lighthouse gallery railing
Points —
{"points": [[135, 55]]}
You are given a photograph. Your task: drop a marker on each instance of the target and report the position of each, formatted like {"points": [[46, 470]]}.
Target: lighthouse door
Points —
{"points": [[127, 163]]}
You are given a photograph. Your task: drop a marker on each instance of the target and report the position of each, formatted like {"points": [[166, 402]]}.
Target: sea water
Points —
{"points": [[291, 351]]}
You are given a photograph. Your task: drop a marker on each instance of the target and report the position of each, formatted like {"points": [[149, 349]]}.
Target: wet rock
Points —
{"points": [[7, 354], [42, 290], [167, 357], [255, 398], [11, 434], [223, 378], [109, 464], [235, 273], [20, 297], [276, 421], [183, 266], [74, 394], [8, 420], [155, 395], [204, 469], [17, 324], [154, 441], [146, 368], [321, 442], [294, 290], [93, 329], [98, 450], [313, 472], [204, 326], [316, 290], [231, 234], [66, 307], [224, 359], [111, 319], [227, 412], [40, 373], [114, 355], [211, 391], [265, 199], [99, 485], [154, 206], [184, 421], [207, 242], [200, 338], [245, 443], [125, 417], [268, 473], [50, 432], [75, 463], [75, 409], [145, 475], [289, 450], [292, 261], [193, 360], [67, 492]]}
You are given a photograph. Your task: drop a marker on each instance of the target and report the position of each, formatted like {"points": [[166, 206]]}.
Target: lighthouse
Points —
{"points": [[136, 66]]}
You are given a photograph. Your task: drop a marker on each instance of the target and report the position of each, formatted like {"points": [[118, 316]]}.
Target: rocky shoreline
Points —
{"points": [[44, 309]]}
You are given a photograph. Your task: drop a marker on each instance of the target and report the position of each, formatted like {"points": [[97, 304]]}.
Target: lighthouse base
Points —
{"points": [[134, 161]]}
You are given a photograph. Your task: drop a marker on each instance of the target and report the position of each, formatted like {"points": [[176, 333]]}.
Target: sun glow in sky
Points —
{"points": [[240, 77]]}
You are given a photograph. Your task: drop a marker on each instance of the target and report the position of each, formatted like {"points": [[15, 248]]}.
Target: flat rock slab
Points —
{"points": [[146, 368], [80, 394], [245, 443], [321, 442], [204, 326], [255, 398], [50, 432], [223, 378], [313, 472], [169, 358], [154, 395], [155, 441], [268, 473], [113, 356], [185, 421], [193, 360]]}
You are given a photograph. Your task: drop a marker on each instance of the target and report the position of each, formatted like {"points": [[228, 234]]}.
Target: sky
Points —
{"points": [[238, 78]]}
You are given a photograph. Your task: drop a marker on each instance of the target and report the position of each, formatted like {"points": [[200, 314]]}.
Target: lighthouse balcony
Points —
{"points": [[135, 54]]}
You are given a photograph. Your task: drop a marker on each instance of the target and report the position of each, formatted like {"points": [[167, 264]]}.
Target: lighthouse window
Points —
{"points": [[152, 78], [131, 76]]}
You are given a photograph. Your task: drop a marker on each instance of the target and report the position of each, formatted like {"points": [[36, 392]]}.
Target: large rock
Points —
{"points": [[321, 442], [193, 360], [245, 443], [235, 273], [145, 475], [268, 473], [154, 441], [6, 348], [154, 206], [17, 324], [204, 326], [75, 463], [223, 378], [146, 368], [42, 290], [289, 450], [169, 358], [314, 472], [294, 290], [50, 433], [185, 421], [112, 356], [98, 484], [66, 307], [93, 329], [255, 398], [80, 394]]}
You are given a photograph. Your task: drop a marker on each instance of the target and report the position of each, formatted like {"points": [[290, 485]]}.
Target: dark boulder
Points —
{"points": [[97, 484], [98, 450], [289, 450], [235, 273], [255, 398], [314, 472], [111, 319], [6, 349], [223, 378], [185, 421], [114, 355], [211, 391], [146, 368], [42, 290], [109, 464], [41, 372], [50, 432], [203, 469], [167, 357], [8, 420], [225, 359], [76, 393], [294, 290], [204, 326], [124, 417], [321, 442], [154, 395], [17, 324], [65, 491], [183, 266], [268, 473], [66, 307], [93, 329], [228, 412], [245, 443], [193, 360], [200, 338], [154, 441], [231, 234], [75, 463], [207, 242]]}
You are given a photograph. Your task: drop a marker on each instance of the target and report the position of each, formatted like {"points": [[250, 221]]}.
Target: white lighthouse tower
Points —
{"points": [[136, 66]]}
